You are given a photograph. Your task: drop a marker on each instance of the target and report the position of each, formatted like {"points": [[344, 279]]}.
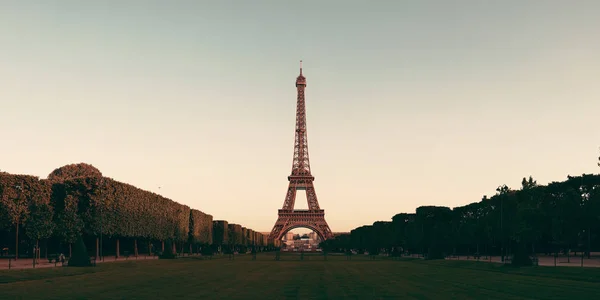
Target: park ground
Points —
{"points": [[293, 278]]}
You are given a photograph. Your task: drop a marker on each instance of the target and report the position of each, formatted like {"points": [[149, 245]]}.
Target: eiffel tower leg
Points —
{"points": [[311, 197], [276, 231], [290, 197]]}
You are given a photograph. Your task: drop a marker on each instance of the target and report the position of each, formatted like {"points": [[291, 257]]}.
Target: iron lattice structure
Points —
{"points": [[301, 179]]}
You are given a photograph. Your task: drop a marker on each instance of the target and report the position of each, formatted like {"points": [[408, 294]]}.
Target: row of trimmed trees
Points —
{"points": [[77, 201], [551, 218]]}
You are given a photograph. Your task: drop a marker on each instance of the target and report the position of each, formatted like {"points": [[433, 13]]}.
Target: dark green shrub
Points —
{"points": [[80, 256], [521, 257]]}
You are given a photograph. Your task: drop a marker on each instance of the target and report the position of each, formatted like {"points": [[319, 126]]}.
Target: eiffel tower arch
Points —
{"points": [[301, 179]]}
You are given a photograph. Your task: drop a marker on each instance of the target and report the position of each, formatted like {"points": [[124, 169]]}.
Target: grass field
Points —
{"points": [[291, 278]]}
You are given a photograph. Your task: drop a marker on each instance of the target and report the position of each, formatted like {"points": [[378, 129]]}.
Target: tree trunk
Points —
{"points": [[46, 249], [70, 250], [17, 242], [97, 248], [149, 248], [162, 249], [135, 249], [190, 249], [589, 244], [117, 255], [174, 249]]}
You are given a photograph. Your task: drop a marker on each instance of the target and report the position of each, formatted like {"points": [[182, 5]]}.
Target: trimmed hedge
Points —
{"points": [[122, 210], [76, 200], [244, 237], [201, 227], [220, 232], [235, 234]]}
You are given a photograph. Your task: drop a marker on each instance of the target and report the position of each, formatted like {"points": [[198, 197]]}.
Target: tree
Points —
{"points": [[504, 195], [525, 229], [502, 190], [435, 222], [561, 215], [17, 209], [68, 224], [74, 171], [40, 225], [528, 184], [588, 187], [529, 215], [399, 229]]}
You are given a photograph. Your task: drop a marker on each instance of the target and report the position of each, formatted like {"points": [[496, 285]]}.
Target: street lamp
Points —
{"points": [[502, 228], [101, 220], [162, 246], [18, 187], [162, 242]]}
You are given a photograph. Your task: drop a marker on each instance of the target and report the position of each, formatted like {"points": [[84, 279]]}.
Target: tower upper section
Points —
{"points": [[301, 80], [301, 164]]}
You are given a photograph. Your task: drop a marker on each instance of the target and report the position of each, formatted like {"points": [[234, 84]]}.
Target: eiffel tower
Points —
{"points": [[301, 179]]}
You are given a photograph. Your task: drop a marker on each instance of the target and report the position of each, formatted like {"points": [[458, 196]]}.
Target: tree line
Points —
{"points": [[76, 201], [518, 223]]}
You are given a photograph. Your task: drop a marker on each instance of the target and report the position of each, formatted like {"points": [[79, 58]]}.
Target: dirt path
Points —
{"points": [[27, 263], [561, 261]]}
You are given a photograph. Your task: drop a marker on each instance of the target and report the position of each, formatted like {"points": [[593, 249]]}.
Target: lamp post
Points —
{"points": [[162, 248], [502, 228], [162, 242], [589, 229], [101, 215], [18, 187], [582, 250]]}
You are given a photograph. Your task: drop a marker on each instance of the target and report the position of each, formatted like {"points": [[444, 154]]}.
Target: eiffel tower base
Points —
{"points": [[311, 219]]}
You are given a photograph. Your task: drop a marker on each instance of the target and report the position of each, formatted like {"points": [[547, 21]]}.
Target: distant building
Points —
{"points": [[300, 242]]}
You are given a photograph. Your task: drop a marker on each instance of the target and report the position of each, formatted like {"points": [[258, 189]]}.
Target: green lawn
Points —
{"points": [[290, 278]]}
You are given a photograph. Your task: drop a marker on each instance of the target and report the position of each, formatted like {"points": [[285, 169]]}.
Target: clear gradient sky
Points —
{"points": [[409, 103]]}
